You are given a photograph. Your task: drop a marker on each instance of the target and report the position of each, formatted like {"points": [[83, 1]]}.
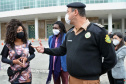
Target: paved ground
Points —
{"points": [[39, 66]]}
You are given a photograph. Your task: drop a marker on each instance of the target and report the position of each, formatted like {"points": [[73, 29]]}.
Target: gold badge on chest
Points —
{"points": [[88, 35]]}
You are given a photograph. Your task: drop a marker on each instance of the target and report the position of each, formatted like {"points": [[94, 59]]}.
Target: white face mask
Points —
{"points": [[115, 42], [67, 19], [56, 31]]}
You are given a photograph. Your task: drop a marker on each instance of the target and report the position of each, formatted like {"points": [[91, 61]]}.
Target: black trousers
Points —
{"points": [[21, 83], [114, 81]]}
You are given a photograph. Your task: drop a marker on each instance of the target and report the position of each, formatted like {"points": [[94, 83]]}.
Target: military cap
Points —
{"points": [[76, 5]]}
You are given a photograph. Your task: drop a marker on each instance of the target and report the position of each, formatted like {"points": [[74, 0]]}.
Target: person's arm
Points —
{"points": [[31, 51], [121, 54], [50, 37], [4, 54], [107, 51], [60, 51]]}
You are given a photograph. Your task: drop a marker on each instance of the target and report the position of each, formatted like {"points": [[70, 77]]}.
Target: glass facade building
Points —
{"points": [[10, 5]]}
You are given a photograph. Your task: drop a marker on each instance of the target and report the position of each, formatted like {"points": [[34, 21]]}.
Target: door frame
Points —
{"points": [[46, 26], [29, 32]]}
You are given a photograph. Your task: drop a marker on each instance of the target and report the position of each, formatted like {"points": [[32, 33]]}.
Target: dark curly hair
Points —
{"points": [[11, 32]]}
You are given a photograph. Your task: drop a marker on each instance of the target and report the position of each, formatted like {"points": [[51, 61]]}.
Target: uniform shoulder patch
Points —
{"points": [[107, 39], [99, 25]]}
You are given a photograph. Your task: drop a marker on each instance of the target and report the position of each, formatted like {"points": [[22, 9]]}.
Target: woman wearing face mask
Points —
{"points": [[57, 64], [117, 74], [18, 49]]}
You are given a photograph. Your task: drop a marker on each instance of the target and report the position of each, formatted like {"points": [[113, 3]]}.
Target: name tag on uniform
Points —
{"points": [[69, 40]]}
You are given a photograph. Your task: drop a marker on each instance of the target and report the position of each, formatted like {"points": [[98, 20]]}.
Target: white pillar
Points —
{"points": [[36, 28], [102, 21], [109, 23], [123, 26], [0, 31], [59, 18]]}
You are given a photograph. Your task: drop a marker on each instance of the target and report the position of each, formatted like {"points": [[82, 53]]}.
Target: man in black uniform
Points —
{"points": [[85, 46]]}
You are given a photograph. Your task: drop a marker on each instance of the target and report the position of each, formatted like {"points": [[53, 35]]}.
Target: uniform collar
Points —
{"points": [[84, 26]]}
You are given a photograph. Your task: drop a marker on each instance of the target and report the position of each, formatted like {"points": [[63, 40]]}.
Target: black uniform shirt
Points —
{"points": [[85, 51]]}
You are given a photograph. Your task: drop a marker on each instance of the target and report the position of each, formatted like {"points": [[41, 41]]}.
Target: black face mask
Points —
{"points": [[20, 35]]}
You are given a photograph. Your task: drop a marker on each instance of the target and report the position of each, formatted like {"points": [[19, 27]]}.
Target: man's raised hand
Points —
{"points": [[40, 48]]}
